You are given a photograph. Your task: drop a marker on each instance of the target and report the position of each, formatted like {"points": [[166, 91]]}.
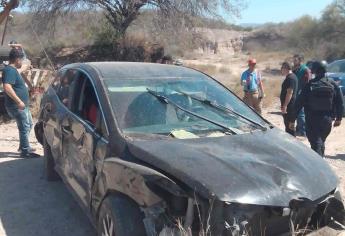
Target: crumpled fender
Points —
{"points": [[132, 180]]}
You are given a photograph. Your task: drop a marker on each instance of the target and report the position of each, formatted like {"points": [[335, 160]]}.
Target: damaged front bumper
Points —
{"points": [[214, 217]]}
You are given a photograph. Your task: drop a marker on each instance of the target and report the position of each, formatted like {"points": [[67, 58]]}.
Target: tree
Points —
{"points": [[341, 6], [121, 13], [333, 20]]}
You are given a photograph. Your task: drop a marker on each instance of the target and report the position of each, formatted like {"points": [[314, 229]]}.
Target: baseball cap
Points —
{"points": [[252, 61], [15, 54]]}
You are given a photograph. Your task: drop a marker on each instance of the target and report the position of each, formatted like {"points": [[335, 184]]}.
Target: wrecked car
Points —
{"points": [[150, 149]]}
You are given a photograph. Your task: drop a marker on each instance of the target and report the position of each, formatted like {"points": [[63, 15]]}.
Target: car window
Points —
{"points": [[336, 67], [63, 85], [55, 84], [138, 111], [342, 83], [103, 129], [86, 105]]}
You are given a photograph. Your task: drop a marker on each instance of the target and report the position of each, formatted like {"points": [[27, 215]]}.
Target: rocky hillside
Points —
{"points": [[221, 41]]}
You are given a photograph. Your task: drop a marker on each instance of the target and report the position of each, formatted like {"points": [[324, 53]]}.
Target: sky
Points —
{"points": [[276, 11]]}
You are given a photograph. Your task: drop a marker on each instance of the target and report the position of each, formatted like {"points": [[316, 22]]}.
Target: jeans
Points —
{"points": [[23, 119], [318, 129], [300, 128]]}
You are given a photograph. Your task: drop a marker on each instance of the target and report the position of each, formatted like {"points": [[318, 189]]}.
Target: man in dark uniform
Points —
{"points": [[322, 100]]}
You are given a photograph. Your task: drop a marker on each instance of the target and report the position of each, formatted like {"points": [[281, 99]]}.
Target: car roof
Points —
{"points": [[136, 70], [337, 61]]}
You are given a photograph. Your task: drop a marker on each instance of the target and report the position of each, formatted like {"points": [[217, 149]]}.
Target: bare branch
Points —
{"points": [[121, 13]]}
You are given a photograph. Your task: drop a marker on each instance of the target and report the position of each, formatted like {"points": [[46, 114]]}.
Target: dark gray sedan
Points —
{"points": [[149, 149], [336, 71]]}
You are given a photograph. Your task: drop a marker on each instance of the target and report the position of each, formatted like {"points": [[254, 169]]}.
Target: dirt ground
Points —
{"points": [[29, 205]]}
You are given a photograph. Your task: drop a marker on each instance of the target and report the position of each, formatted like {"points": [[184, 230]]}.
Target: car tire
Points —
{"points": [[120, 216], [49, 164]]}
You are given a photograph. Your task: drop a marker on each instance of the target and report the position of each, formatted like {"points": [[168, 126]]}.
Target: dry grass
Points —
{"points": [[209, 69], [225, 70], [272, 90], [277, 56]]}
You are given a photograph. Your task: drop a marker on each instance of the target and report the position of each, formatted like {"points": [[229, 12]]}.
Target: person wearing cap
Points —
{"points": [[252, 86], [322, 101], [25, 66], [303, 75], [17, 101], [167, 59]]}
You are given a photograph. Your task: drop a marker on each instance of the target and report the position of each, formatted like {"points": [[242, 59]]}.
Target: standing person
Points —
{"points": [[288, 96], [17, 101], [252, 86], [167, 59], [322, 99], [303, 75]]}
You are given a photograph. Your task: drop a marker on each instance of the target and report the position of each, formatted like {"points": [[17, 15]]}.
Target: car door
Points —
{"points": [[83, 139], [53, 111]]}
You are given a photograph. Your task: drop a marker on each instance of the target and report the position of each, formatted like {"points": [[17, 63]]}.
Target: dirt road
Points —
{"points": [[30, 206]]}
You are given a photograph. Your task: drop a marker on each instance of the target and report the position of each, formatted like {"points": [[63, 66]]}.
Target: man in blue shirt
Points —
{"points": [[17, 101], [252, 86]]}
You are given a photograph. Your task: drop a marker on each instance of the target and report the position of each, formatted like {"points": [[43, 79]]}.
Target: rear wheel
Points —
{"points": [[49, 164], [120, 216]]}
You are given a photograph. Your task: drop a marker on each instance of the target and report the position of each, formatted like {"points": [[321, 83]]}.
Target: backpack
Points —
{"points": [[321, 95]]}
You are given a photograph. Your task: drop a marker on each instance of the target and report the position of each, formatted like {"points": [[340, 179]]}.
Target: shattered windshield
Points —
{"points": [[177, 107]]}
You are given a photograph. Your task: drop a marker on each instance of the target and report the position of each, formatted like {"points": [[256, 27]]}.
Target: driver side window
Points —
{"points": [[86, 105]]}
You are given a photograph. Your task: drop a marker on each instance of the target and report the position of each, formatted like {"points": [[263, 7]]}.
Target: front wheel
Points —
{"points": [[120, 216]]}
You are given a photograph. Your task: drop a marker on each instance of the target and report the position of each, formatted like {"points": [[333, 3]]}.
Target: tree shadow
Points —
{"points": [[9, 155], [31, 206], [337, 157], [278, 113], [11, 140]]}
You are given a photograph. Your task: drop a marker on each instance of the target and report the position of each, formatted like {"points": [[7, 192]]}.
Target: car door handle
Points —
{"points": [[66, 130]]}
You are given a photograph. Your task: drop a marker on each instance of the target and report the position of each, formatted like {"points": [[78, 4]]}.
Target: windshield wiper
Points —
{"points": [[164, 99], [224, 109]]}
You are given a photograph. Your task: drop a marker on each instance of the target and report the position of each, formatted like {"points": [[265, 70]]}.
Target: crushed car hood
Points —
{"points": [[262, 168]]}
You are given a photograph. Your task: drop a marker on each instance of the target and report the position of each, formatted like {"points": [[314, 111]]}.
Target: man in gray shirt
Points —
{"points": [[17, 101]]}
